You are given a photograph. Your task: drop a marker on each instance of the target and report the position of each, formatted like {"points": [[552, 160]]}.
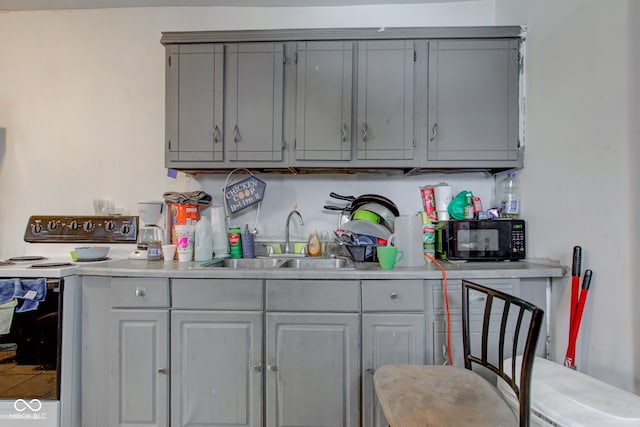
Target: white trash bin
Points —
{"points": [[561, 396]]}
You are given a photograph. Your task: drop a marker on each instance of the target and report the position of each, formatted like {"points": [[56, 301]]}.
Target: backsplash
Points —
{"points": [[311, 193]]}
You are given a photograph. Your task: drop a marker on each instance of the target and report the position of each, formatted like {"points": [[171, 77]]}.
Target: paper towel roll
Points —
{"points": [[443, 194], [409, 238], [220, 239]]}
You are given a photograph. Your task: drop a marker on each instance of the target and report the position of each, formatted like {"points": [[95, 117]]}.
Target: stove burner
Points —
{"points": [[52, 265], [27, 258], [5, 263], [106, 258]]}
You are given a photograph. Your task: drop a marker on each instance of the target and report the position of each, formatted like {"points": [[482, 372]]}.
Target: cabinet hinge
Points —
{"points": [[169, 61], [415, 56]]}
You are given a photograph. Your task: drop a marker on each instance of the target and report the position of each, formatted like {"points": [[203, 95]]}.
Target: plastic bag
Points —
{"points": [[457, 205]]}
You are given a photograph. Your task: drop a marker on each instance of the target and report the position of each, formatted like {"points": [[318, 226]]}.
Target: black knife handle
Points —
{"points": [[586, 280], [577, 261]]}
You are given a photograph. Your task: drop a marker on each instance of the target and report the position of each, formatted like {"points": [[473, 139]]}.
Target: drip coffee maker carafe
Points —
{"points": [[151, 214]]}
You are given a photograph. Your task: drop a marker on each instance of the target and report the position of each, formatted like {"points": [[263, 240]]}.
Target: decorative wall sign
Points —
{"points": [[245, 193]]}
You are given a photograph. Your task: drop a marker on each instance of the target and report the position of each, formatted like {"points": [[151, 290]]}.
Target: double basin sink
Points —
{"points": [[299, 263]]}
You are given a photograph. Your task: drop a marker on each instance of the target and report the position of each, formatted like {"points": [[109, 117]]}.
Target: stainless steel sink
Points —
{"points": [[254, 263], [318, 263], [308, 263]]}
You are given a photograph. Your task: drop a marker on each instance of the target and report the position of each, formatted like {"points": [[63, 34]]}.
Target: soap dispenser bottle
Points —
{"points": [[314, 248]]}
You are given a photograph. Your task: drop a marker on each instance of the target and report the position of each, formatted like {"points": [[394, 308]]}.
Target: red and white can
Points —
{"points": [[429, 201]]}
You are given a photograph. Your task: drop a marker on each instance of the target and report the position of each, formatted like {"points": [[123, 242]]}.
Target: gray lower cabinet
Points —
{"points": [[312, 352], [138, 380], [438, 319], [473, 96], [385, 108], [216, 352], [216, 366], [139, 352], [393, 331]]}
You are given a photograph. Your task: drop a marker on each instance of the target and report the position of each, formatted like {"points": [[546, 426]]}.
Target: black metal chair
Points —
{"points": [[414, 395]]}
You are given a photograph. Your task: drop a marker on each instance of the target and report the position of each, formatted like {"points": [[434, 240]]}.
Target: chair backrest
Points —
{"points": [[511, 321]]}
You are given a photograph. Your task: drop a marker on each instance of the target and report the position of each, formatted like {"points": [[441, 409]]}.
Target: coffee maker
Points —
{"points": [[151, 214]]}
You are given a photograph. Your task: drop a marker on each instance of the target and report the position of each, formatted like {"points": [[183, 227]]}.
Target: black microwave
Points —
{"points": [[481, 240]]}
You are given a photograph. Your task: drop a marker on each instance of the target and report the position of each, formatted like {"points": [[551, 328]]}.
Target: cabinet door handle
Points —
{"points": [[365, 131], [434, 132], [393, 296], [140, 292], [272, 368], [162, 371], [257, 368], [370, 371], [216, 134], [344, 131], [236, 134]]}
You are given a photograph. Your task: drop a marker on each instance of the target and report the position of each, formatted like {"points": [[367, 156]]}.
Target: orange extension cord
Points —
{"points": [[446, 305]]}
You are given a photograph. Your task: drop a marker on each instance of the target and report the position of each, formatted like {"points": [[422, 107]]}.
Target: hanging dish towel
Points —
{"points": [[190, 198], [31, 291], [6, 315]]}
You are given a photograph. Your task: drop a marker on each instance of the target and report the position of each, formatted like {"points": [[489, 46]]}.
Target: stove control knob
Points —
{"points": [[110, 225], [52, 225], [36, 228], [89, 226], [73, 225], [126, 229]]}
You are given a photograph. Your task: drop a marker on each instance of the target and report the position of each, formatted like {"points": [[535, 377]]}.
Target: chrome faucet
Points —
{"points": [[287, 249]]}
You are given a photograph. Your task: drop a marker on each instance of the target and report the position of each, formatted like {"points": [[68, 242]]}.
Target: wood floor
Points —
{"points": [[25, 381]]}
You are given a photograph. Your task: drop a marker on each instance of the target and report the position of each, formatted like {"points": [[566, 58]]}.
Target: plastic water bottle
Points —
{"points": [[203, 250], [510, 203]]}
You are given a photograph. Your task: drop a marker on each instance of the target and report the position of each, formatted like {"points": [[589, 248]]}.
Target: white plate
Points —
{"points": [[369, 228]]}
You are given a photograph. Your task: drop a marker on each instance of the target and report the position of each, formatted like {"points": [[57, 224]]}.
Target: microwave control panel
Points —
{"points": [[517, 238]]}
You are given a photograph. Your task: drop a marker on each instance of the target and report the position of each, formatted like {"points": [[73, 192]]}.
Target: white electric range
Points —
{"points": [[40, 346]]}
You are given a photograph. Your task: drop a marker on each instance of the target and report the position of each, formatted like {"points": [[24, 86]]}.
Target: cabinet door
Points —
{"points": [[312, 370], [194, 103], [387, 339], [473, 102], [385, 100], [138, 380], [254, 101], [216, 370], [476, 310], [323, 100]]}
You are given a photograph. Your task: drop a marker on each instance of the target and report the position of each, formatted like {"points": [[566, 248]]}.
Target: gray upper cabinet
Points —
{"points": [[194, 105], [356, 98], [473, 103], [323, 101], [254, 98], [385, 100]]}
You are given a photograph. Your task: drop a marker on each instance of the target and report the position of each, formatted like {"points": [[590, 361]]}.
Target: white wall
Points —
{"points": [[579, 177]]}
